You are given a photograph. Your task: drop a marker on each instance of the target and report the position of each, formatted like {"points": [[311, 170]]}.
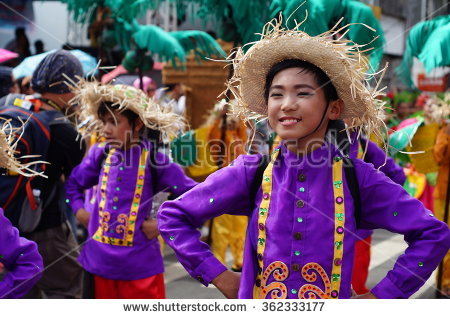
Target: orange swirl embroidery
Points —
{"points": [[309, 291], [104, 219], [280, 273], [123, 220]]}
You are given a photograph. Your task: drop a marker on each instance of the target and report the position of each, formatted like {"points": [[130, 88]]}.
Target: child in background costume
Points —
{"points": [[441, 152], [298, 243], [18, 255], [123, 253], [228, 230]]}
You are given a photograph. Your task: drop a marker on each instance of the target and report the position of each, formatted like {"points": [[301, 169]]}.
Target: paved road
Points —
{"points": [[386, 247]]}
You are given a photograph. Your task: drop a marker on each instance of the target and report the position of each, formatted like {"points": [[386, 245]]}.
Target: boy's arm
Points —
{"points": [[224, 192], [386, 164], [171, 177], [22, 260], [84, 176], [387, 205]]}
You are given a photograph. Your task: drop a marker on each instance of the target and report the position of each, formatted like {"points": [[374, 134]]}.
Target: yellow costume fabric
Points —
{"points": [[227, 230], [203, 165]]}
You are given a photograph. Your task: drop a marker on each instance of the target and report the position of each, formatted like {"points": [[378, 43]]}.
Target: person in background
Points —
{"points": [[18, 256], [441, 154], [38, 47], [123, 252], [20, 44], [227, 140], [148, 85], [25, 86], [62, 277], [173, 95], [7, 83]]}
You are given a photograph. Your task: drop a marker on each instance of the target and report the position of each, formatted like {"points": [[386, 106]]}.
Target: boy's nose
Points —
{"points": [[289, 104], [107, 129]]}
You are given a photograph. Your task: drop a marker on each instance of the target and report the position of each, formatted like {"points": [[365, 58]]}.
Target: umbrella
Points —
{"points": [[6, 55], [27, 67]]}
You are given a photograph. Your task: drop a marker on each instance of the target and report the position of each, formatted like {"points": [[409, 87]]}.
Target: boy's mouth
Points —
{"points": [[289, 120]]}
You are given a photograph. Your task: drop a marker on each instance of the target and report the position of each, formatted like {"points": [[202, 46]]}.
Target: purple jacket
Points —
{"points": [[117, 248], [378, 158], [300, 226], [21, 258]]}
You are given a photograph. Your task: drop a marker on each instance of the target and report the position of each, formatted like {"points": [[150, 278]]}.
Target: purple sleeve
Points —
{"points": [[386, 164], [387, 205], [224, 192], [84, 176], [171, 177], [21, 258]]}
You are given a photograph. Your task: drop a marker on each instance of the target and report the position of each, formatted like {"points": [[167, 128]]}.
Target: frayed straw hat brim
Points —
{"points": [[8, 143], [91, 95]]}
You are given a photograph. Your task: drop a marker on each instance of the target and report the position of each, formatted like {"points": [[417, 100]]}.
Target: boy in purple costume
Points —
{"points": [[19, 256], [21, 260], [123, 250], [291, 249]]}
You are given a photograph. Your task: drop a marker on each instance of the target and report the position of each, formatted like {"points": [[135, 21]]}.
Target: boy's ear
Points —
{"points": [[138, 124], [335, 109]]}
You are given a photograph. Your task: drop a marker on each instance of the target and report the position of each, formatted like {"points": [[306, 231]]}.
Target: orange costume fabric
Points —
{"points": [[441, 152]]}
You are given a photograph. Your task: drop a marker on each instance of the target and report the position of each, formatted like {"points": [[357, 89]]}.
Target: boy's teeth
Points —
{"points": [[290, 121]]}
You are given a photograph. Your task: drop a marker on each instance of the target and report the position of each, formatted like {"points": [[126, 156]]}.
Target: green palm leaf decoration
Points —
{"points": [[416, 42], [436, 51], [129, 10], [160, 42], [358, 12], [324, 14], [82, 9], [235, 20], [200, 42]]}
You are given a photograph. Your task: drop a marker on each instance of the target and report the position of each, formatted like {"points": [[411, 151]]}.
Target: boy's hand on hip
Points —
{"points": [[368, 295], [150, 228], [83, 217], [228, 284]]}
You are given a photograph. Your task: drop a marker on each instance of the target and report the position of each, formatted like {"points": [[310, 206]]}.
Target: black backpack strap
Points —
{"points": [[352, 181], [153, 172], [257, 180]]}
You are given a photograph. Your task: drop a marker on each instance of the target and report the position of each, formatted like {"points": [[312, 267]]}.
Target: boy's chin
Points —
{"points": [[289, 136], [114, 142]]}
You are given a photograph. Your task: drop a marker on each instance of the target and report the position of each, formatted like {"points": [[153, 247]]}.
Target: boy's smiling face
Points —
{"points": [[296, 105], [118, 130]]}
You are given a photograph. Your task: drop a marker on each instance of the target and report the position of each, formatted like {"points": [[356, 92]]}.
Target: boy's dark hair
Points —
{"points": [[170, 86], [130, 115], [321, 78], [146, 133]]}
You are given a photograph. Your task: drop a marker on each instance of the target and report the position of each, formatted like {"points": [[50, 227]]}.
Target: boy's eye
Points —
{"points": [[275, 94], [305, 94]]}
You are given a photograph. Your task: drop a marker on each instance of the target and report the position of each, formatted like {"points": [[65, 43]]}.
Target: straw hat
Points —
{"points": [[340, 59], [8, 143], [90, 96]]}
